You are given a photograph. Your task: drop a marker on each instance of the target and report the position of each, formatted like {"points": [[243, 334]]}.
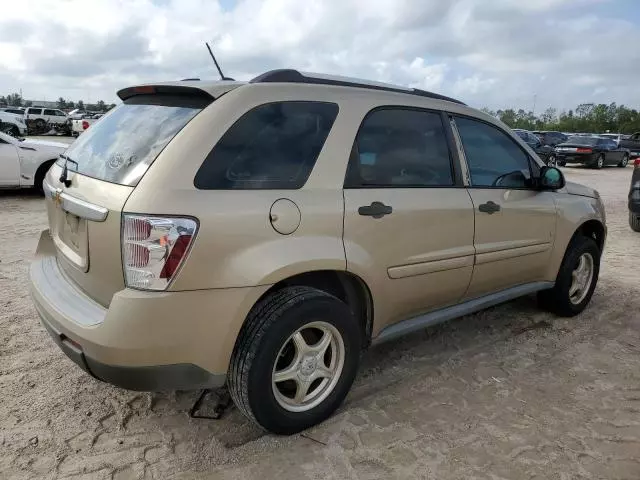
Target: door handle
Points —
{"points": [[375, 210], [489, 207]]}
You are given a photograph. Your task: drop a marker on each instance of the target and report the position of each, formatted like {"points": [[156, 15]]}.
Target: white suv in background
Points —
{"points": [[12, 124], [40, 117]]}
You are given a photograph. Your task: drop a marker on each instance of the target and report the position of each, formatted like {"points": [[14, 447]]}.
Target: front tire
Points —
{"points": [[634, 222], [576, 279], [295, 359], [624, 162]]}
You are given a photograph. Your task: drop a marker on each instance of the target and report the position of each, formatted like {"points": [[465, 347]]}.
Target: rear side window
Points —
{"points": [[123, 144], [35, 111], [50, 112], [272, 146], [398, 147]]}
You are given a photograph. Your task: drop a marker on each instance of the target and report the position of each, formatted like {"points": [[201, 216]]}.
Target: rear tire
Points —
{"points": [[560, 299], [624, 162], [269, 346], [599, 162], [634, 222]]}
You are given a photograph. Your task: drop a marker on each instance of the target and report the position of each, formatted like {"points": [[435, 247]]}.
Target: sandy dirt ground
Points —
{"points": [[509, 393]]}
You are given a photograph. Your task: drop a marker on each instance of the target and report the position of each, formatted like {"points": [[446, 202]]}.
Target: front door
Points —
{"points": [[514, 223], [408, 226], [9, 165]]}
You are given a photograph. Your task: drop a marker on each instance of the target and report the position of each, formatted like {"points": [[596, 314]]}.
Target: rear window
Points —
{"points": [[583, 140], [273, 146], [123, 144]]}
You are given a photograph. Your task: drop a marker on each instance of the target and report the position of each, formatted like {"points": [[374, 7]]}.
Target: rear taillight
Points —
{"points": [[584, 150], [85, 124], [154, 248], [636, 163]]}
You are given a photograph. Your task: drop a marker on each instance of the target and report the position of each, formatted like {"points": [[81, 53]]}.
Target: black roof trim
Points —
{"points": [[294, 76]]}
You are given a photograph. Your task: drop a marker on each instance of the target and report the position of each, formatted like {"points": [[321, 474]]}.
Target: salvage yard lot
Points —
{"points": [[507, 393]]}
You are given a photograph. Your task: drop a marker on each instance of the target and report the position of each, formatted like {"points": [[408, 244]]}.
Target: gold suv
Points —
{"points": [[262, 234]]}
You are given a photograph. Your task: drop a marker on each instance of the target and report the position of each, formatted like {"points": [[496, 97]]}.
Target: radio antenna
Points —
{"points": [[222, 77]]}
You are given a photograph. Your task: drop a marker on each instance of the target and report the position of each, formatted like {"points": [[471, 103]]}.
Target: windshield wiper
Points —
{"points": [[65, 171]]}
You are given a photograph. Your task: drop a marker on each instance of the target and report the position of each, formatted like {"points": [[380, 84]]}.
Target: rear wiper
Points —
{"points": [[65, 171]]}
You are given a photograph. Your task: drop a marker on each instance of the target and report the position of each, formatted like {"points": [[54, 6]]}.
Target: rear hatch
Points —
{"points": [[101, 170]]}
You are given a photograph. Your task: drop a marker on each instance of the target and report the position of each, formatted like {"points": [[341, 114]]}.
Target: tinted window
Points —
{"points": [[35, 111], [273, 146], [494, 159], [577, 140], [400, 148], [121, 146], [50, 112]]}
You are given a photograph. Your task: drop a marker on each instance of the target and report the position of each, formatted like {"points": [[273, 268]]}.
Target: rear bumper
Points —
{"points": [[144, 341], [584, 158]]}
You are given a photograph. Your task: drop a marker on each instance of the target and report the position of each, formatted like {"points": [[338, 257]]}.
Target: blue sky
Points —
{"points": [[495, 53]]}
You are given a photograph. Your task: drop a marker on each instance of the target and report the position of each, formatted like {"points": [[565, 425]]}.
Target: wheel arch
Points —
{"points": [[344, 285], [41, 171]]}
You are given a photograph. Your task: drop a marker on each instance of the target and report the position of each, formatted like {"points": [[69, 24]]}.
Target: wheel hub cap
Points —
{"points": [[581, 278], [308, 367]]}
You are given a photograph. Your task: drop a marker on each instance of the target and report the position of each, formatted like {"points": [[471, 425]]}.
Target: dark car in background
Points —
{"points": [[545, 152], [550, 138], [595, 152], [634, 197], [632, 143]]}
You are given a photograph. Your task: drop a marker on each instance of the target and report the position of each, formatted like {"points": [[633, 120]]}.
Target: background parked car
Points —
{"points": [[550, 138], [634, 197], [545, 152], [80, 125], [632, 143], [593, 151], [39, 119], [24, 163], [12, 124]]}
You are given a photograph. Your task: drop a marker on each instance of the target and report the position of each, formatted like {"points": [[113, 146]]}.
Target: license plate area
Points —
{"points": [[71, 238]]}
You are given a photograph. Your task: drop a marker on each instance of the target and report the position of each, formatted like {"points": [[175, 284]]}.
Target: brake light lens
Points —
{"points": [[85, 124], [636, 163], [154, 248], [584, 150]]}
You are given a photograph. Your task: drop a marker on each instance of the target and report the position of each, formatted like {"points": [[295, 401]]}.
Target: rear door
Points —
{"points": [[103, 167], [408, 226], [514, 223], [9, 164]]}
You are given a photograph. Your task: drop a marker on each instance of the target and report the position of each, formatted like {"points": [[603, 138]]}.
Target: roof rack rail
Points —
{"points": [[294, 76]]}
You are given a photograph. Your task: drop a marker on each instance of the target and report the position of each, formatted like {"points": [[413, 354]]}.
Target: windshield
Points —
{"points": [[583, 140], [124, 143]]}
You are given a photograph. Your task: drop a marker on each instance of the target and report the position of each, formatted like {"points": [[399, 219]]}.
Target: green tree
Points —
{"points": [[62, 103], [14, 100]]}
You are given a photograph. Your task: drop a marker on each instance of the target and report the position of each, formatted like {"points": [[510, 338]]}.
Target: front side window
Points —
{"points": [[493, 158], [398, 147], [272, 146]]}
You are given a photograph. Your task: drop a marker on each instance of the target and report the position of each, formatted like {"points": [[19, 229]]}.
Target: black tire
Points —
{"points": [[634, 222], [599, 163], [40, 174], [268, 326], [557, 298], [624, 162], [40, 124]]}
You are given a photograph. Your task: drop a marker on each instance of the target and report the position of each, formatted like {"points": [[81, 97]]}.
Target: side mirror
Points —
{"points": [[551, 178]]}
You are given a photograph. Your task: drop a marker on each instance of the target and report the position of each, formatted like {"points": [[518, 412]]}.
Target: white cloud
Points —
{"points": [[497, 53]]}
